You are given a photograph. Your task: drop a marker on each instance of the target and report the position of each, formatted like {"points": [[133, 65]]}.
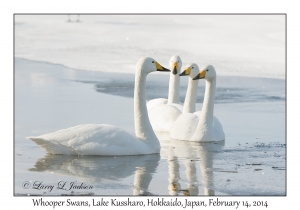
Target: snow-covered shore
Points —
{"points": [[239, 45]]}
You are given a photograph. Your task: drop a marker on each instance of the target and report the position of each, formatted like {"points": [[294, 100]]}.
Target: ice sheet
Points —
{"points": [[240, 45]]}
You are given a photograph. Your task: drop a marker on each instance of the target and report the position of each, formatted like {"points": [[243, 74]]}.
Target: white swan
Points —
{"points": [[201, 126], [175, 64], [163, 117], [107, 140], [162, 112], [188, 120]]}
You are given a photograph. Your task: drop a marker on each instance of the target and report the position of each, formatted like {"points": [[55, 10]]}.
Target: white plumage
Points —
{"points": [[164, 112], [200, 126], [107, 140]]}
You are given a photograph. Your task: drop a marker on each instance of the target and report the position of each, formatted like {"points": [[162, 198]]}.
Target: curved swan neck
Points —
{"points": [[190, 98], [173, 96], [143, 128]]}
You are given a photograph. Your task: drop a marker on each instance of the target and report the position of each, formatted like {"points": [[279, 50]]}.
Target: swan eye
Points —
{"points": [[206, 69], [192, 67], [178, 61], [152, 61]]}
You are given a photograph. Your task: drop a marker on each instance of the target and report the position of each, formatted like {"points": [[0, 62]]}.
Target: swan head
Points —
{"points": [[190, 70], [148, 65], [175, 64], [207, 72]]}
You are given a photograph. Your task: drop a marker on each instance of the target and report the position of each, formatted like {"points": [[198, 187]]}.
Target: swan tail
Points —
{"points": [[53, 147]]}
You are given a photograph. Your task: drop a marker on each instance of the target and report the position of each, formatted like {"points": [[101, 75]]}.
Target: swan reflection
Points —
{"points": [[191, 154], [190, 168], [99, 169]]}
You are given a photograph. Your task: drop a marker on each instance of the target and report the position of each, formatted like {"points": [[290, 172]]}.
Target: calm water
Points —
{"points": [[251, 161]]}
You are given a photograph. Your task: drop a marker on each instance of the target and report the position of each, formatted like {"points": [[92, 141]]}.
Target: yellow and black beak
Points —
{"points": [[186, 72], [160, 68], [201, 75], [175, 68]]}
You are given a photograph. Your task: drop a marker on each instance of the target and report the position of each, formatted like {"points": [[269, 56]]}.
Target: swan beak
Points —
{"points": [[201, 75], [186, 72], [174, 68], [160, 68]]}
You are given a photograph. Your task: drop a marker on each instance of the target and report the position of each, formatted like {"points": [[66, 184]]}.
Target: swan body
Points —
{"points": [[200, 126], [164, 112], [92, 139], [156, 102], [109, 140], [190, 122], [162, 117], [187, 121]]}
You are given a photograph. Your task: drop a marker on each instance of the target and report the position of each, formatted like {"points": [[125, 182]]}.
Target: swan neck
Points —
{"points": [[204, 130], [143, 128], [209, 100], [174, 82], [190, 98]]}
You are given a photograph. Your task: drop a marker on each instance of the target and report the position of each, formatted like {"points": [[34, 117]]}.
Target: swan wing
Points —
{"points": [[162, 117], [184, 127], [178, 106]]}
